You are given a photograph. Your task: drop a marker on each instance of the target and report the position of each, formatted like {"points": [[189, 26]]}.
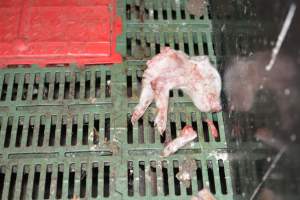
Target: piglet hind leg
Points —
{"points": [[146, 98], [213, 129], [205, 105]]}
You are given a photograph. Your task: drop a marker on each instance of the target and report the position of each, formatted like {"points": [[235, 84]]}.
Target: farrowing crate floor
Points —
{"points": [[66, 130]]}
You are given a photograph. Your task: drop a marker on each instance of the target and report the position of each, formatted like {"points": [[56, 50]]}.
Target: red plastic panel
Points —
{"points": [[58, 31]]}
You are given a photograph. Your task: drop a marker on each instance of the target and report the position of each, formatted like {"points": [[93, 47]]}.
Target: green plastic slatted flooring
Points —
{"points": [[65, 132]]}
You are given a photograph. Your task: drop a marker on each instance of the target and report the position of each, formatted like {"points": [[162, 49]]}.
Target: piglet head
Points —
{"points": [[206, 100]]}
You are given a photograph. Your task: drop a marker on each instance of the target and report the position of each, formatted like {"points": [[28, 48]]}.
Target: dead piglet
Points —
{"points": [[175, 70]]}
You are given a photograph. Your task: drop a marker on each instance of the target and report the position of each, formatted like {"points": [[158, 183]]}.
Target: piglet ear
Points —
{"points": [[165, 49]]}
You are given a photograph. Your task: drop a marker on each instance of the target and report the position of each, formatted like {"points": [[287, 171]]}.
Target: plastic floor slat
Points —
{"points": [[111, 102]]}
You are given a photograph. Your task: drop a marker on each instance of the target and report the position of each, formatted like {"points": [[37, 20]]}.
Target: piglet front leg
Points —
{"points": [[146, 98], [161, 95]]}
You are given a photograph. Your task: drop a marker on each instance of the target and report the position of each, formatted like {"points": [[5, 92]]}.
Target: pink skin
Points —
{"points": [[187, 135], [175, 70], [212, 127]]}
